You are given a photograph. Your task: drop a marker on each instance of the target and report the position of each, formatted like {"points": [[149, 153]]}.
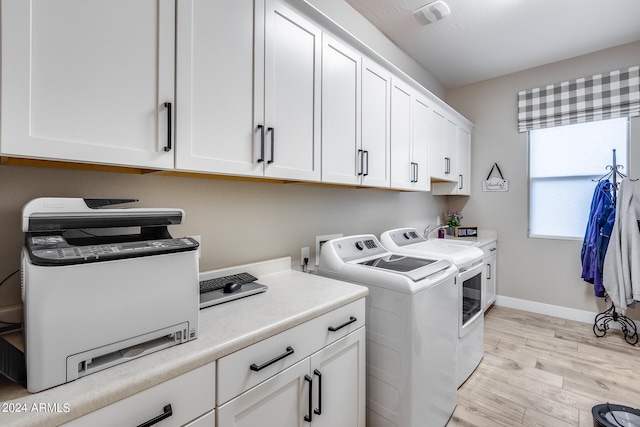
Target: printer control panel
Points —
{"points": [[54, 250]]}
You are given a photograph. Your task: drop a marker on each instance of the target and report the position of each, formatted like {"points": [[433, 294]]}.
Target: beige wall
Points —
{"points": [[539, 270], [239, 221]]}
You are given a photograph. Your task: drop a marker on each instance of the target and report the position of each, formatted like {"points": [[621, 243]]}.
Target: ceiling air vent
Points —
{"points": [[431, 12]]}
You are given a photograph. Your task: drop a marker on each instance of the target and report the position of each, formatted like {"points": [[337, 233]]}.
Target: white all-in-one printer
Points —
{"points": [[102, 286]]}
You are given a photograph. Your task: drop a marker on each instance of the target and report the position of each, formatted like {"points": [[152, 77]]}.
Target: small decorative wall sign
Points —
{"points": [[495, 183]]}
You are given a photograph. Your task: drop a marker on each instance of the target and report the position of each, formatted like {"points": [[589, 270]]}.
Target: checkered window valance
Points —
{"points": [[603, 96]]}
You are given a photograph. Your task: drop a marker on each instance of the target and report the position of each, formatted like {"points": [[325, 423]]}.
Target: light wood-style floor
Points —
{"points": [[545, 371]]}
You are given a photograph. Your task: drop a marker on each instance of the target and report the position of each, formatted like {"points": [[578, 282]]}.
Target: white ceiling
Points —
{"points": [[482, 39]]}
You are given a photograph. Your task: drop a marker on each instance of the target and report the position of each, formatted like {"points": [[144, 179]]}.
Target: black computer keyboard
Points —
{"points": [[219, 282]]}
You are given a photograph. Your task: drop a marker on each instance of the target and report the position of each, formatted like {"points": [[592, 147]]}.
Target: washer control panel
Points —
{"points": [[358, 247], [406, 236]]}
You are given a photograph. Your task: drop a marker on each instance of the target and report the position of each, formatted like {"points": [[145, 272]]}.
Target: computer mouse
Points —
{"points": [[231, 287]]}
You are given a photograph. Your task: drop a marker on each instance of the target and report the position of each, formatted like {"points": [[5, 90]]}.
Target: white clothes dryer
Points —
{"points": [[411, 330], [470, 281]]}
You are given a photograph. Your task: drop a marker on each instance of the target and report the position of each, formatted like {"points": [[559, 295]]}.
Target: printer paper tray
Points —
{"points": [[88, 362]]}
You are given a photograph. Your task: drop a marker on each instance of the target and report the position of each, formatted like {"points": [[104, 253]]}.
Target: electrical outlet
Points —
{"points": [[321, 240], [304, 253]]}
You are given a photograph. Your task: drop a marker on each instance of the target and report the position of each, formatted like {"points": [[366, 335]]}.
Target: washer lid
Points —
{"points": [[414, 268], [407, 241]]}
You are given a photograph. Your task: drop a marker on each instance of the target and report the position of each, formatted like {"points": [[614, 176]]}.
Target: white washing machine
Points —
{"points": [[470, 263], [411, 330]]}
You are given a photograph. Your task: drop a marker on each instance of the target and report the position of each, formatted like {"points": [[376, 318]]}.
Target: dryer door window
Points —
{"points": [[471, 298]]}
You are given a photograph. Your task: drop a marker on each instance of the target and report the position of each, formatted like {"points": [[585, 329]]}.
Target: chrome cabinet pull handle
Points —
{"points": [[347, 323], [361, 158], [167, 412], [256, 368]]}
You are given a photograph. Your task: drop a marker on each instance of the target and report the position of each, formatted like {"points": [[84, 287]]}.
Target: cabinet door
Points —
{"points": [[282, 400], [437, 145], [219, 77], [451, 147], [420, 146], [87, 81], [292, 94], [339, 382], [490, 281], [341, 154], [207, 420], [402, 171], [463, 162], [376, 103]]}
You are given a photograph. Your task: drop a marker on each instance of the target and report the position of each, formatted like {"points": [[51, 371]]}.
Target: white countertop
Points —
{"points": [[292, 298], [484, 237]]}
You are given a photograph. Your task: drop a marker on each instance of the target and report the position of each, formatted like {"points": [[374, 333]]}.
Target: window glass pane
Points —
{"points": [[573, 150], [555, 214], [563, 162]]}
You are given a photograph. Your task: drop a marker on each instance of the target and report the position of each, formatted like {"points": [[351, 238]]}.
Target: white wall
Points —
{"points": [[349, 19], [538, 270], [239, 221]]}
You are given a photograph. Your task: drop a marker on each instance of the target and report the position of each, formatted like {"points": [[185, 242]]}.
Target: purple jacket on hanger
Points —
{"points": [[595, 242]]}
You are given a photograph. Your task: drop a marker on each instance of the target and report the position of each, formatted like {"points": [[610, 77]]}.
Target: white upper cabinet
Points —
{"points": [[219, 77], [249, 89], [342, 156], [443, 139], [355, 118], [292, 94], [420, 126], [464, 162], [376, 125], [460, 138], [451, 150], [409, 139], [237, 87], [89, 81], [402, 169]]}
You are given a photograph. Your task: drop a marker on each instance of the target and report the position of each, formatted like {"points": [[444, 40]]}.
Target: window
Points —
{"points": [[563, 161]]}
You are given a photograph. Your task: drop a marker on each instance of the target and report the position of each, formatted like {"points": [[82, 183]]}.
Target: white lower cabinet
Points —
{"points": [[188, 399], [312, 374], [279, 400], [326, 389], [339, 383], [207, 420], [490, 256]]}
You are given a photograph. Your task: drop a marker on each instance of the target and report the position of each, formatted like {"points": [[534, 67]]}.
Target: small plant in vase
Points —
{"points": [[453, 220]]}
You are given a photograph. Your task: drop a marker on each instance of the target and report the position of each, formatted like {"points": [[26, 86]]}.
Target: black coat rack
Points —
{"points": [[601, 324]]}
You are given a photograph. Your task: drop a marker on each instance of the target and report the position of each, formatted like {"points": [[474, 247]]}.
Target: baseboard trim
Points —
{"points": [[552, 310]]}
